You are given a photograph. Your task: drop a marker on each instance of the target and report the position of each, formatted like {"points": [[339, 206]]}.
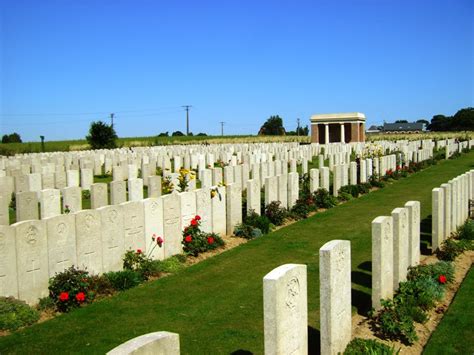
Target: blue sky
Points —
{"points": [[66, 63]]}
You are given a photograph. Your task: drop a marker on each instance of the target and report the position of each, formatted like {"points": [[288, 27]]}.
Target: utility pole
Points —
{"points": [[112, 119], [186, 107], [298, 128], [222, 128]]}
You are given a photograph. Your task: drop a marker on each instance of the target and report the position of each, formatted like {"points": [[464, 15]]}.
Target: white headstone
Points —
{"points": [[413, 208], [218, 203], [113, 250], [153, 208], [172, 224], [400, 246], [8, 265], [286, 310], [89, 241], [61, 231], [233, 207], [158, 343]]}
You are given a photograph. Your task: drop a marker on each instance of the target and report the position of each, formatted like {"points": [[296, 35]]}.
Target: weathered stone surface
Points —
{"points": [[188, 208], [4, 209], [283, 190], [158, 343], [172, 224], [314, 180], [154, 186], [413, 209], [233, 207], [99, 195], [382, 259], [293, 189], [72, 178], [437, 224], [26, 206], [253, 196], [286, 310], [8, 265], [153, 208], [112, 234], [335, 296], [400, 245], [72, 199], [324, 178], [87, 178], [118, 192], [134, 225], [32, 260], [271, 189], [135, 189], [50, 203], [61, 231], [89, 241], [204, 209], [218, 203]]}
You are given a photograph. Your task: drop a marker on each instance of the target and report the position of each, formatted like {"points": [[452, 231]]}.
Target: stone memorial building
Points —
{"points": [[338, 127]]}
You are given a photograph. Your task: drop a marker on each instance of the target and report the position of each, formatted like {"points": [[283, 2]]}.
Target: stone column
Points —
{"points": [[343, 137], [326, 135], [437, 225], [335, 296], [285, 309], [382, 259]]}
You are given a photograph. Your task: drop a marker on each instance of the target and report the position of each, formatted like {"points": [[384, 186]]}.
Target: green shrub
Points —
{"points": [[466, 231], [392, 322], [364, 188], [374, 182], [434, 271], [170, 265], [359, 346], [323, 199], [301, 209], [247, 231], [123, 280], [275, 213], [71, 288], [136, 260], [450, 250], [344, 196], [45, 303], [196, 241], [257, 221], [101, 284], [15, 314], [352, 190]]}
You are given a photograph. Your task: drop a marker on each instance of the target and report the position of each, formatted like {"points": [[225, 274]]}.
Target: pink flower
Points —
{"points": [[139, 251], [159, 241]]}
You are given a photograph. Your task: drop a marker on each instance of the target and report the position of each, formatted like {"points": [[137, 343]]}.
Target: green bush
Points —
{"points": [[70, 289], [344, 196], [374, 182], [323, 199], [170, 265], [196, 241], [466, 231], [364, 188], [247, 231], [136, 260], [301, 209], [359, 346], [434, 271], [123, 280], [15, 314], [393, 323], [352, 190], [257, 221], [450, 250], [275, 213]]}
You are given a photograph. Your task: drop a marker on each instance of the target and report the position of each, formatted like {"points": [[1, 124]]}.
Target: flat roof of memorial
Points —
{"points": [[348, 116]]}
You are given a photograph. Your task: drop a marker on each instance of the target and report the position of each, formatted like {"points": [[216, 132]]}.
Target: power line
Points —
{"points": [[186, 107], [222, 128]]}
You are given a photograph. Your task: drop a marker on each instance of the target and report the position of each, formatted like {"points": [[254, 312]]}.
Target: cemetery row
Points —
{"points": [[28, 193], [395, 248]]}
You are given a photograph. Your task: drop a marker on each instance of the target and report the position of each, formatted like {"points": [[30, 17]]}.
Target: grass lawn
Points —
{"points": [[216, 305], [455, 333]]}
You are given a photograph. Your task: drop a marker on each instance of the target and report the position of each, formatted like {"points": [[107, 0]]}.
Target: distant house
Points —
{"points": [[373, 129], [410, 127]]}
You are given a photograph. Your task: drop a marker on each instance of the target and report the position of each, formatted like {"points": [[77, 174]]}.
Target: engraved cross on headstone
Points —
{"points": [[33, 270]]}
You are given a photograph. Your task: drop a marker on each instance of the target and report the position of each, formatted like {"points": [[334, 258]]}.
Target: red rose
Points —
{"points": [[210, 240], [63, 296], [197, 218], [139, 251], [194, 222], [159, 241], [442, 279], [188, 239], [81, 297]]}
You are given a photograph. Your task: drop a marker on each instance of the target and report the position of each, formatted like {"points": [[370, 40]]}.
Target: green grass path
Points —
{"points": [[455, 333], [216, 305]]}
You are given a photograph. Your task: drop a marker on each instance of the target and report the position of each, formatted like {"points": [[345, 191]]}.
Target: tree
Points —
{"points": [[177, 134], [426, 122], [11, 138], [440, 123], [201, 134], [273, 127], [163, 134], [463, 120], [401, 121], [302, 131], [101, 136]]}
